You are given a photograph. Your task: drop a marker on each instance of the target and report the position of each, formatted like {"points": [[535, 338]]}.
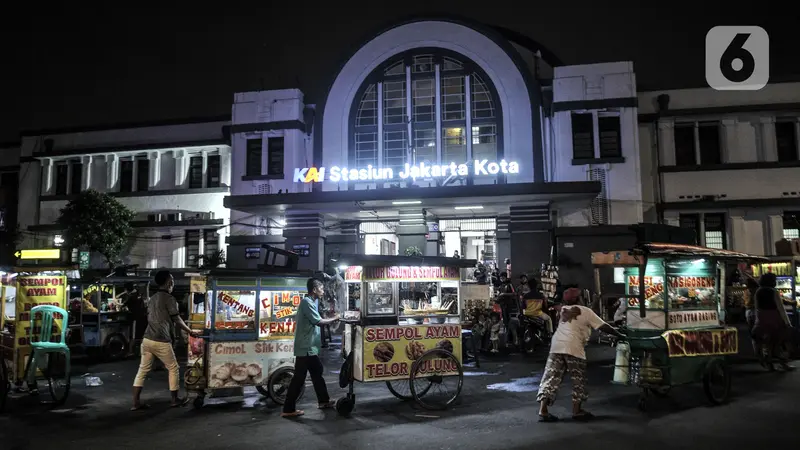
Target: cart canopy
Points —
{"points": [[400, 260], [631, 257]]}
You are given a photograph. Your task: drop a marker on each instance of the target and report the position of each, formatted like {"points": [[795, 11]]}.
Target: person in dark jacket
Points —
{"points": [[772, 326]]}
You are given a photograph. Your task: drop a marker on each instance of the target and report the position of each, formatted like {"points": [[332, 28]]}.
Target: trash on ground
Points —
{"points": [[93, 381]]}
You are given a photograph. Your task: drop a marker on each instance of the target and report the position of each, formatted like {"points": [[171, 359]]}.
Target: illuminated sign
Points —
{"points": [[422, 170], [39, 253]]}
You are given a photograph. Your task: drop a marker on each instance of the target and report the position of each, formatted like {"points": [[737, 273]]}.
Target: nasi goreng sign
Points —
{"points": [[425, 171]]}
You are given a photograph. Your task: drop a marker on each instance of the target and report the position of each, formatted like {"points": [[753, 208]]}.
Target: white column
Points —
{"points": [[154, 166], [774, 232], [730, 144], [112, 172], [468, 103], [666, 142], [769, 145], [438, 102], [226, 168], [221, 242], [86, 172], [180, 169], [205, 169], [738, 234], [47, 176]]}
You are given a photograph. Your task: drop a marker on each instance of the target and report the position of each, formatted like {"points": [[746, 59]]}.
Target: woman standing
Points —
{"points": [[772, 326]]}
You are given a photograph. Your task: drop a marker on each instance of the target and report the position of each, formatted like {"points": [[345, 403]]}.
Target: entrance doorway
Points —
{"points": [[379, 238], [471, 238]]}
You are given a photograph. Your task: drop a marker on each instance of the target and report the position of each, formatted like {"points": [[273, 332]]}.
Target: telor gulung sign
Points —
{"points": [[335, 173]]}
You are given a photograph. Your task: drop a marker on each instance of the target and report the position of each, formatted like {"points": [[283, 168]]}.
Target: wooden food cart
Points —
{"points": [[247, 321], [675, 319], [407, 332]]}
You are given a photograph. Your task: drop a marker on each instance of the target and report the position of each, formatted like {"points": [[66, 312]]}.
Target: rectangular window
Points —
{"points": [[126, 176], [394, 102], [609, 130], [253, 158], [192, 247], [708, 134], [275, 156], [424, 93], [791, 224], [195, 172], [425, 146], [454, 143], [76, 169], [582, 136], [691, 222], [484, 142], [62, 178], [210, 243], [213, 178], [366, 149], [453, 98], [142, 174], [715, 230], [394, 150], [684, 145], [786, 140]]}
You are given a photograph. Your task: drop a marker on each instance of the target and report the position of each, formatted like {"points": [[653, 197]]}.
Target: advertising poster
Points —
{"points": [[239, 364], [692, 319], [236, 310], [278, 309], [411, 273], [32, 291], [389, 351], [702, 342]]}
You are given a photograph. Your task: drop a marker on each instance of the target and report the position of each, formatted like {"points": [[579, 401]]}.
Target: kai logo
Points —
{"points": [[309, 175]]}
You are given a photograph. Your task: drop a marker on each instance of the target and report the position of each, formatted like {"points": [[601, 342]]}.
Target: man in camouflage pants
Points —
{"points": [[568, 354]]}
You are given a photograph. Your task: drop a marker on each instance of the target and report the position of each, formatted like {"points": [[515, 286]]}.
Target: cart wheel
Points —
{"points": [[660, 392], [439, 368], [278, 385], [717, 381], [262, 390], [345, 405], [58, 381], [642, 405], [5, 384], [402, 388], [199, 401], [116, 347]]}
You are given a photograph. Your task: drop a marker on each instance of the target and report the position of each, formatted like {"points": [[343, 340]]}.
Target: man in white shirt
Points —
{"points": [[621, 312], [568, 354]]}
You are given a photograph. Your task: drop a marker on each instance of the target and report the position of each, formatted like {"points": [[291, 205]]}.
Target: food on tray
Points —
{"points": [[414, 350], [235, 375], [426, 308], [445, 344], [383, 352]]}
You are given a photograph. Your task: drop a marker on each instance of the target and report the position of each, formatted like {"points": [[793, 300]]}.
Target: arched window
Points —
{"points": [[427, 106]]}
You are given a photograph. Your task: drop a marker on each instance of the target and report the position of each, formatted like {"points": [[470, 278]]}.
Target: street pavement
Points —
{"points": [[497, 410]]}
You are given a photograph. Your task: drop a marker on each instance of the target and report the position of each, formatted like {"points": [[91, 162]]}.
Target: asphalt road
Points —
{"points": [[496, 411]]}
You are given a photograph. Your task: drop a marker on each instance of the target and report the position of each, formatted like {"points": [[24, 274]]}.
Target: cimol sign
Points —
{"points": [[413, 171]]}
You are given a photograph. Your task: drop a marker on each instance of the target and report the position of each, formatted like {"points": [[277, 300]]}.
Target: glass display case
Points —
{"points": [[787, 272], [235, 310]]}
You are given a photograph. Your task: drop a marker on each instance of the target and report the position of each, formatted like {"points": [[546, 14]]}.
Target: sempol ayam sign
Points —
{"points": [[336, 173]]}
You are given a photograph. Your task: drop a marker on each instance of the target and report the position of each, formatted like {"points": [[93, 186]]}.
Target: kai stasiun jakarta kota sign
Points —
{"points": [[422, 170]]}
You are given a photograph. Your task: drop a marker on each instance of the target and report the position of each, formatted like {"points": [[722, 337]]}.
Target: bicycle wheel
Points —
{"points": [[402, 388], [58, 380], [5, 384], [278, 385], [445, 375]]}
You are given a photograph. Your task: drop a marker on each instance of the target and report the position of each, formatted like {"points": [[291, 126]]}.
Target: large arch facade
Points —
{"points": [[498, 66]]}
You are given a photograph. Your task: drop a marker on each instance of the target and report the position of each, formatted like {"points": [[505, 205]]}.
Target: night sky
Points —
{"points": [[90, 66]]}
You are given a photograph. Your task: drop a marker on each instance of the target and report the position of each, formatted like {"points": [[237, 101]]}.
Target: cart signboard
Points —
{"points": [[353, 273], [246, 363], [389, 351], [235, 310], [276, 318], [415, 273], [683, 343], [32, 291], [694, 319]]}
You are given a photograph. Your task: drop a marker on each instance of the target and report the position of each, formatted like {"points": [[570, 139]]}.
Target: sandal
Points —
{"points": [[181, 402], [583, 416], [141, 407], [327, 405], [548, 418], [297, 413]]}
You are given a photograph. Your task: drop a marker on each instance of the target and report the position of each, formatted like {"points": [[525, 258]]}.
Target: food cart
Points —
{"points": [[247, 321], [675, 318], [407, 332], [97, 304], [787, 272], [33, 286]]}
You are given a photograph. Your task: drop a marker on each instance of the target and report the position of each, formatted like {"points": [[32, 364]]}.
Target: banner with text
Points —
{"points": [[693, 319], [390, 351], [702, 342], [278, 309], [237, 364], [411, 273], [32, 291]]}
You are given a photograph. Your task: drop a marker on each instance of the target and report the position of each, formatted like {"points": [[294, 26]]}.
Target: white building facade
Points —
{"points": [[724, 164], [438, 136], [174, 176]]}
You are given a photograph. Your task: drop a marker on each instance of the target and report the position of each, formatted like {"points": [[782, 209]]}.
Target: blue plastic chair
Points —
{"points": [[45, 343]]}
